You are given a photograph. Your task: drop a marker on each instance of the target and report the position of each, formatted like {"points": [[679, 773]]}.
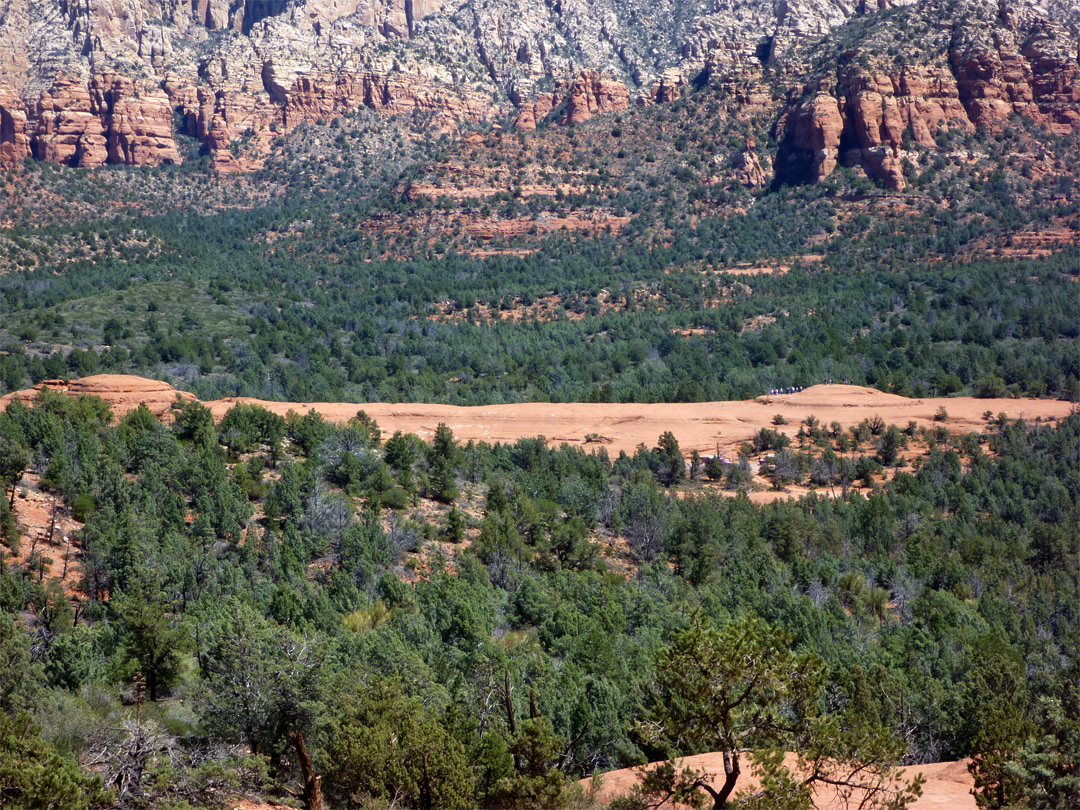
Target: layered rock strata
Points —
{"points": [[576, 102], [1012, 66], [126, 81]]}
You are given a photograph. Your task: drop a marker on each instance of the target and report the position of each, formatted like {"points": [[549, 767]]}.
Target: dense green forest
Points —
{"points": [[236, 322], [455, 626]]}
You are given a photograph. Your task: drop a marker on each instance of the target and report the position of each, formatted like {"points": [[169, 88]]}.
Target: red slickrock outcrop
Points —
{"points": [[748, 170], [535, 111], [138, 122], [588, 96], [818, 127], [592, 95], [108, 120], [670, 86], [68, 130], [867, 117], [14, 139], [107, 81], [310, 98], [229, 114], [1036, 78]]}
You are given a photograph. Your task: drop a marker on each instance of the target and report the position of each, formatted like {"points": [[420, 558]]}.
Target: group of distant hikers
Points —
{"points": [[797, 388]]}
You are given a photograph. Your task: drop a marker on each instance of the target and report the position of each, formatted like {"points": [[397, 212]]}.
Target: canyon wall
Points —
{"points": [[139, 83]]}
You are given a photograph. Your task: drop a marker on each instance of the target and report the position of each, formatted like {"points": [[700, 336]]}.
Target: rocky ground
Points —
{"points": [[617, 426], [948, 784]]}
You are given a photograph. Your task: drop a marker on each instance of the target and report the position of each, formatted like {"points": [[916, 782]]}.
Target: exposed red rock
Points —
{"points": [[818, 127], [310, 98], [68, 131], [866, 117], [591, 95], [670, 86], [588, 96], [122, 392], [533, 112], [871, 116], [108, 120], [98, 84], [14, 138], [133, 75], [748, 169], [948, 784], [230, 114], [139, 126], [1034, 77], [695, 424]]}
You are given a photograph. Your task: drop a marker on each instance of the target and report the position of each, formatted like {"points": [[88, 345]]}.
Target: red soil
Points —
{"points": [[948, 784], [703, 426]]}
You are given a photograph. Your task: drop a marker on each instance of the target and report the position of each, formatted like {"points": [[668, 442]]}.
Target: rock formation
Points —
{"points": [[108, 120], [581, 100], [92, 83], [14, 139], [669, 87], [989, 70], [592, 95], [748, 168], [120, 81]]}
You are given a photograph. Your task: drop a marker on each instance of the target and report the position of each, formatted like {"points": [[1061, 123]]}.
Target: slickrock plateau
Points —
{"points": [[947, 787], [622, 426]]}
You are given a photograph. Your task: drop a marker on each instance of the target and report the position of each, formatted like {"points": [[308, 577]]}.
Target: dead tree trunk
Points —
{"points": [[534, 712], [508, 702], [511, 715], [52, 522], [312, 781], [67, 556]]}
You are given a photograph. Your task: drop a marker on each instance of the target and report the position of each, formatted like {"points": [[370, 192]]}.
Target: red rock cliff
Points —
{"points": [[868, 116]]}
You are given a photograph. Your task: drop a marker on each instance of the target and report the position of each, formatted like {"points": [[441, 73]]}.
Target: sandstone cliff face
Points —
{"points": [[226, 70], [108, 120], [591, 95], [581, 100], [1018, 68], [14, 139], [1004, 64], [670, 86], [118, 81], [868, 117], [114, 81]]}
